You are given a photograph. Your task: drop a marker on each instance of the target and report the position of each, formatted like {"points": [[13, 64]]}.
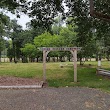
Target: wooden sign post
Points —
{"points": [[75, 65], [44, 65], [73, 50], [74, 53]]}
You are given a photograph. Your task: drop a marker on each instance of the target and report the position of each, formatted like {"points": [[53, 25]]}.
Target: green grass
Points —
{"points": [[28, 70], [60, 77]]}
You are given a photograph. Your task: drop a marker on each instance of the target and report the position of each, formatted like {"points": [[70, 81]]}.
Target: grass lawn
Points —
{"points": [[57, 76]]}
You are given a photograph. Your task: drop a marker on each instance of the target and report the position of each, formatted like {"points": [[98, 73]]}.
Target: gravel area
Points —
{"points": [[67, 98]]}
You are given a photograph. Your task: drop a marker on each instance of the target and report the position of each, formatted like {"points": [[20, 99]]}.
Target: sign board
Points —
{"points": [[60, 48]]}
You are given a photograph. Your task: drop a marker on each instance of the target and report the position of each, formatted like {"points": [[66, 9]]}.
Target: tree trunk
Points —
{"points": [[108, 58], [37, 59], [0, 56], [86, 59], [14, 50], [10, 59], [60, 59], [100, 57], [57, 59], [48, 59], [69, 59], [53, 59], [96, 57], [81, 62], [24, 59]]}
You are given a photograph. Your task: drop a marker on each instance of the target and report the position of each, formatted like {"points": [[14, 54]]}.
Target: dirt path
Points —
{"points": [[12, 81], [72, 98]]}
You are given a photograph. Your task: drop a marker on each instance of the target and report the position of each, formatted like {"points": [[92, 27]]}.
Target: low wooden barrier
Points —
{"points": [[65, 65], [103, 72]]}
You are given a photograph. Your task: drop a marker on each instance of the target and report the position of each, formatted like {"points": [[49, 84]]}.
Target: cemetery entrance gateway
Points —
{"points": [[73, 51]]}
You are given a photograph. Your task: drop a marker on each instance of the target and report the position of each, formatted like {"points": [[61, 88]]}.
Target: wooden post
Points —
{"points": [[44, 65], [75, 65], [74, 53]]}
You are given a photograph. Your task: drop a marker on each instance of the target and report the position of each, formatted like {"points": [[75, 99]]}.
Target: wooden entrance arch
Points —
{"points": [[73, 51]]}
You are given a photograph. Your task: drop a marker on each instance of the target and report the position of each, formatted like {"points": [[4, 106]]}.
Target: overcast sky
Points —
{"points": [[22, 20]]}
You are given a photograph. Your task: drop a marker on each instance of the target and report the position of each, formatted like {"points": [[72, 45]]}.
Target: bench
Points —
{"points": [[103, 72]]}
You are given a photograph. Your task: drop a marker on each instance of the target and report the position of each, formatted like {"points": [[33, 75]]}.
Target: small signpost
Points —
{"points": [[73, 51]]}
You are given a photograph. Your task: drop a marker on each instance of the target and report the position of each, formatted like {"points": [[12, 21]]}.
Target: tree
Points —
{"points": [[4, 25], [29, 51], [10, 52], [43, 13], [48, 40], [68, 35], [11, 5], [2, 46], [16, 41], [80, 16], [28, 35]]}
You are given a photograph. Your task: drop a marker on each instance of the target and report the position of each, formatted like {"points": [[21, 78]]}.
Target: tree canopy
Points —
{"points": [[45, 28]]}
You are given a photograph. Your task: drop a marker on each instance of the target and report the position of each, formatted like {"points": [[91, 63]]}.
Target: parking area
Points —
{"points": [[72, 98]]}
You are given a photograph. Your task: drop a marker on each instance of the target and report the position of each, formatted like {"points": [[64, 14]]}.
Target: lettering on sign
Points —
{"points": [[60, 48]]}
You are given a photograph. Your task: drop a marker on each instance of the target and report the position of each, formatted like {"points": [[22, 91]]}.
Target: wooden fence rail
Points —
{"points": [[103, 72]]}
